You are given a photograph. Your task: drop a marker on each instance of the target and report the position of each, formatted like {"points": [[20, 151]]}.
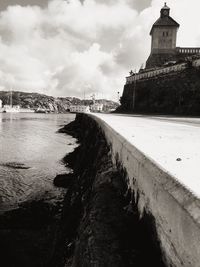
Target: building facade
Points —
{"points": [[163, 41], [171, 80], [79, 109], [96, 107]]}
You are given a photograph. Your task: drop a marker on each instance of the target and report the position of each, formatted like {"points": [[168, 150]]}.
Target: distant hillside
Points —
{"points": [[53, 104]]}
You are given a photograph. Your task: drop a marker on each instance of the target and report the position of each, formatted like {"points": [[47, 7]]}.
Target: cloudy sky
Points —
{"points": [[68, 47]]}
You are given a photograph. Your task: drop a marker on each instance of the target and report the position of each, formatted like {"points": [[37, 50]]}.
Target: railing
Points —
{"points": [[194, 59], [154, 73], [186, 50]]}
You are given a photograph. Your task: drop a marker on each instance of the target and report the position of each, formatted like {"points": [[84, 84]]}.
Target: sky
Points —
{"points": [[82, 47]]}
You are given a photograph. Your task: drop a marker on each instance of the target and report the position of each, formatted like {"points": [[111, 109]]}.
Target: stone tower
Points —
{"points": [[163, 39]]}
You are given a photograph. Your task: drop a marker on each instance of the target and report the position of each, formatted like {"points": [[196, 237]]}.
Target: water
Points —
{"points": [[31, 153]]}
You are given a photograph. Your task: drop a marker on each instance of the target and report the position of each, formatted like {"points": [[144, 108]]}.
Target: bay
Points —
{"points": [[31, 153]]}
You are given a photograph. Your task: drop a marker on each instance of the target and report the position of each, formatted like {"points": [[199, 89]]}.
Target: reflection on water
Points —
{"points": [[30, 155]]}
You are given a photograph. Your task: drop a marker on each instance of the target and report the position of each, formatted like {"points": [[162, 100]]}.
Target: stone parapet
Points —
{"points": [[188, 50]]}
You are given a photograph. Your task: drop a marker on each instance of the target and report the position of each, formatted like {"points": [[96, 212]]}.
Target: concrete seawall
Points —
{"points": [[176, 210]]}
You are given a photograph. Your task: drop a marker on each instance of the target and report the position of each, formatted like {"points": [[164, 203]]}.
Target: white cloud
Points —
{"points": [[68, 47]]}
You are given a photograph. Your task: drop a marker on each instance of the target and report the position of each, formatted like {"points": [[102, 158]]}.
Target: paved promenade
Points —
{"points": [[173, 143]]}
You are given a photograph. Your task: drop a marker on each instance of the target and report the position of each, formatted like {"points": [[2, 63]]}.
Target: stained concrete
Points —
{"points": [[175, 207]]}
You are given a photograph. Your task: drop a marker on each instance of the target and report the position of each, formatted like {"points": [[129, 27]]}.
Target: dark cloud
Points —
{"points": [[140, 4], [5, 3]]}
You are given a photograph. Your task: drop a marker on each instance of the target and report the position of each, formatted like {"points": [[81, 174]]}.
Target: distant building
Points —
{"points": [[79, 109], [96, 107], [163, 41], [11, 109]]}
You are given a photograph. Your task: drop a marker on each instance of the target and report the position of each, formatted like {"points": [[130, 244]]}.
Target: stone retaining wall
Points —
{"points": [[173, 92]]}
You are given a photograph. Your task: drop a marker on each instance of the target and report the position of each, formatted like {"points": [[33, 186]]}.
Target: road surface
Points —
{"points": [[172, 142]]}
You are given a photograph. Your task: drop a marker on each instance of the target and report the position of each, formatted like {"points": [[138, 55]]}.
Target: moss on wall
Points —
{"points": [[172, 93]]}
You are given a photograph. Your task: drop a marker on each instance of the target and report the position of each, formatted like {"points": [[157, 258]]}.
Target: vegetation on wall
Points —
{"points": [[173, 93]]}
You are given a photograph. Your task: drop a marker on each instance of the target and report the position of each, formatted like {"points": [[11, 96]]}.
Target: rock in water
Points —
{"points": [[63, 180]]}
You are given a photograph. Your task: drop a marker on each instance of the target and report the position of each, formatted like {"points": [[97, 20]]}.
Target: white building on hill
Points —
{"points": [[79, 109], [96, 107]]}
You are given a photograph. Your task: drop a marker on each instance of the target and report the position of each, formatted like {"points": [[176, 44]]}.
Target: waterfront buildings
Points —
{"points": [[11, 108], [96, 107], [14, 108], [79, 109]]}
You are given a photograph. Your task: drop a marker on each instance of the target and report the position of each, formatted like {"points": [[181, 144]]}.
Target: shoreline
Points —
{"points": [[100, 224], [28, 231]]}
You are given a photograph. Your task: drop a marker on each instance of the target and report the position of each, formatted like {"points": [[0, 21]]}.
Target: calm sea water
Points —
{"points": [[31, 153]]}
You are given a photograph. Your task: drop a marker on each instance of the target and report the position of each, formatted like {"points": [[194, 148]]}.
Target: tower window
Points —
{"points": [[165, 33]]}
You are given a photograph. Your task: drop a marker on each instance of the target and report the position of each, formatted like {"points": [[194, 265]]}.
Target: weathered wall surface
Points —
{"points": [[163, 38], [175, 209], [101, 225], [171, 93]]}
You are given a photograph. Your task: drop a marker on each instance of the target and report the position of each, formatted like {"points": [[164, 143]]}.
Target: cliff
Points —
{"points": [[176, 92], [101, 225], [50, 103]]}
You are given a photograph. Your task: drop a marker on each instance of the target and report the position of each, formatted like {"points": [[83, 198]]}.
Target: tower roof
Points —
{"points": [[165, 20], [165, 6]]}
